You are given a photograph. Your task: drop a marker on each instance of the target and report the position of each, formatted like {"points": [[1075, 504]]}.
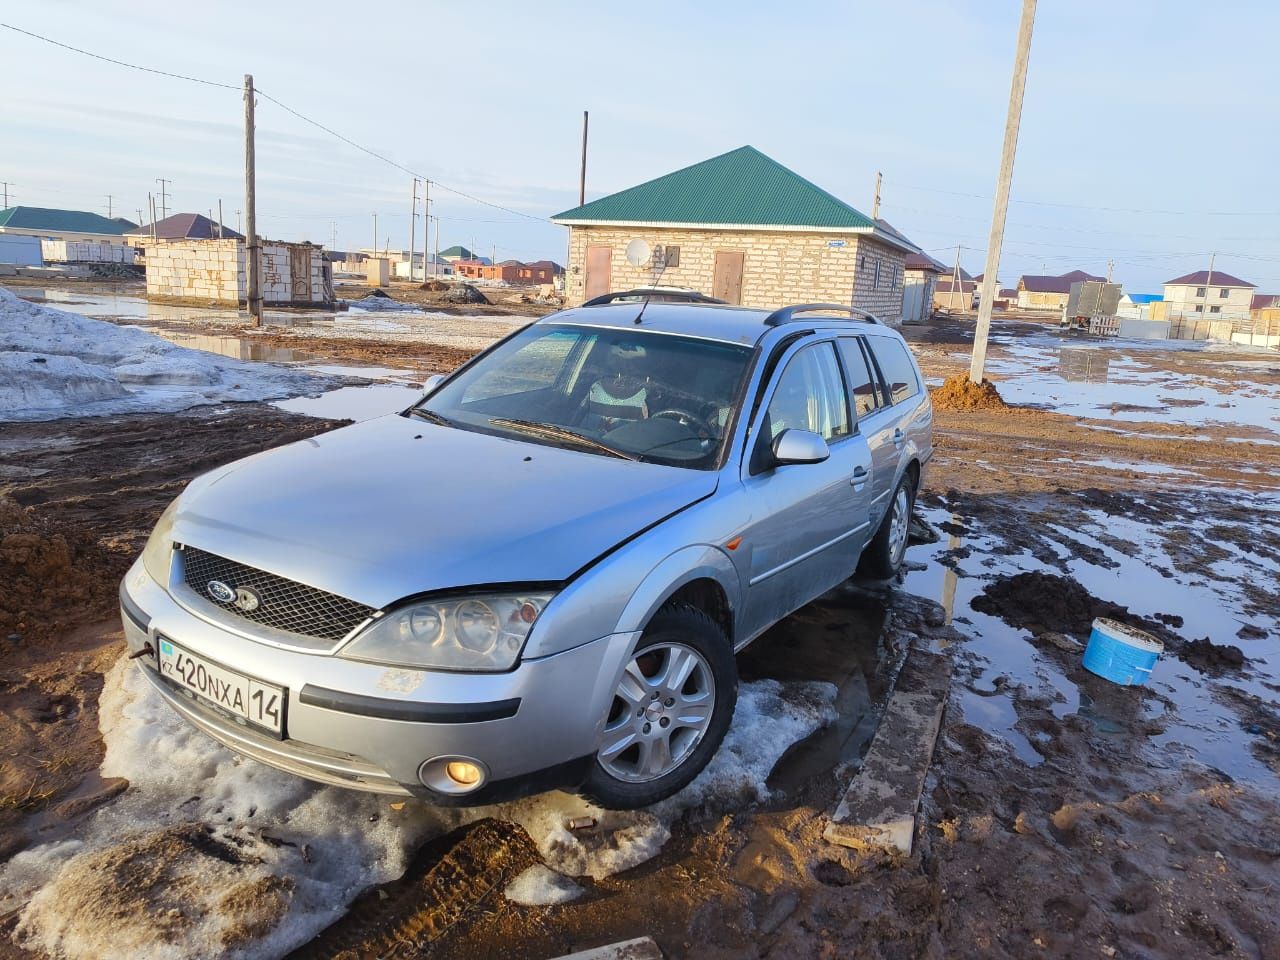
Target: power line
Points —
{"points": [[119, 63]]}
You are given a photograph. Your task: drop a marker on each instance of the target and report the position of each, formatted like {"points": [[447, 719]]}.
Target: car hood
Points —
{"points": [[397, 506]]}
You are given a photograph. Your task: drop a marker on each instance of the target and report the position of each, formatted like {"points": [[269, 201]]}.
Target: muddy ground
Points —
{"points": [[1063, 817]]}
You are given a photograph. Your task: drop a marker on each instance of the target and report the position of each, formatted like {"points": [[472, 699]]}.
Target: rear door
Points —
{"points": [[809, 520], [901, 427], [876, 421]]}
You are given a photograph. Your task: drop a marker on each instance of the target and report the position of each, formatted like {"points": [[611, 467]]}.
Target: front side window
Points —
{"points": [[809, 396], [896, 367], [646, 396], [862, 381]]}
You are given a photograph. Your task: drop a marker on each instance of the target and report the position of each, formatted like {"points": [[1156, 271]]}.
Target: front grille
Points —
{"points": [[282, 604]]}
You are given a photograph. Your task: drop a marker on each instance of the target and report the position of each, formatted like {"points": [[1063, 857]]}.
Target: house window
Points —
{"points": [[1199, 308], [1215, 309], [1199, 291], [1222, 294], [673, 256], [876, 281]]}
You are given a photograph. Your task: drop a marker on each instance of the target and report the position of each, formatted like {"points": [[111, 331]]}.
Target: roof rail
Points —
{"points": [[657, 294], [787, 314]]}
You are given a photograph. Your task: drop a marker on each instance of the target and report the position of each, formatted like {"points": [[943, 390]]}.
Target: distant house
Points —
{"points": [[1040, 292], [919, 282], [742, 227], [71, 236], [1137, 306], [456, 253], [954, 295], [184, 226], [1203, 295]]}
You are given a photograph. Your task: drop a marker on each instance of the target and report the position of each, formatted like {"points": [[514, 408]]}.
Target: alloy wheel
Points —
{"points": [[660, 711], [899, 524]]}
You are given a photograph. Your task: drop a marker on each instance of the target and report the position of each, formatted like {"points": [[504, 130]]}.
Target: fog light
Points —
{"points": [[462, 773], [453, 775]]}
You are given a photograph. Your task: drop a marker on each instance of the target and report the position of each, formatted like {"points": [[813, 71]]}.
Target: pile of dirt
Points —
{"points": [[958, 392], [1045, 603], [55, 574], [434, 286], [465, 293]]}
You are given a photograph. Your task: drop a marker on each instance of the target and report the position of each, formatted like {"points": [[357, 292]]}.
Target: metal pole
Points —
{"points": [[1003, 184], [582, 176], [219, 218], [413, 225], [426, 227], [253, 247]]}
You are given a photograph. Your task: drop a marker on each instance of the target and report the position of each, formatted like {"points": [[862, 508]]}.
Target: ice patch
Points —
{"points": [[540, 886], [210, 854], [56, 364]]}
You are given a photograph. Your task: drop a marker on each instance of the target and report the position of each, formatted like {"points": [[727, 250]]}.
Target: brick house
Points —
{"points": [[509, 271], [1049, 292], [1205, 295], [919, 285], [740, 227]]}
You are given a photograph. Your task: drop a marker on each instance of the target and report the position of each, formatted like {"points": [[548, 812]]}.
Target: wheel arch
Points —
{"points": [[702, 576]]}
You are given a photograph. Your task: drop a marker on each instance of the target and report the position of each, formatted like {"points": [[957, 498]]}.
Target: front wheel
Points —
{"points": [[883, 556], [669, 713]]}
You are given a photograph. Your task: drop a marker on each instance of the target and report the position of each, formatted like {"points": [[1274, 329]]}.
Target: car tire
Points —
{"points": [[630, 773], [882, 557]]}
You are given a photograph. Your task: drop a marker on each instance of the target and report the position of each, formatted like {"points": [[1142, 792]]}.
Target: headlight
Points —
{"points": [[463, 633], [157, 555]]}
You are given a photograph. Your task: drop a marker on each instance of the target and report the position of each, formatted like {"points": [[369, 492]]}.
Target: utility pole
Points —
{"points": [[219, 218], [333, 234], [426, 228], [151, 203], [108, 206], [955, 280], [6, 193], [413, 227], [1003, 183], [139, 212], [1208, 279], [375, 234], [437, 256], [582, 176], [253, 244], [164, 196], [239, 229], [1111, 265], [875, 203]]}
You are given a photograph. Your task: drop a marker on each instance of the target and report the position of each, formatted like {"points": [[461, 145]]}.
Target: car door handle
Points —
{"points": [[859, 478], [898, 437]]}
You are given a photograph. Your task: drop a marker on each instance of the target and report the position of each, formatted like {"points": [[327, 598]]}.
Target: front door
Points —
{"points": [[811, 519], [726, 284], [599, 270], [300, 274]]}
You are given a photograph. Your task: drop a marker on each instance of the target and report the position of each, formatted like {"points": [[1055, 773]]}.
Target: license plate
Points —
{"points": [[258, 703]]}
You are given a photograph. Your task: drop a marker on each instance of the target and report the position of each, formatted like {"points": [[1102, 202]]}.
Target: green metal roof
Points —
{"points": [[740, 187], [457, 251], [62, 221]]}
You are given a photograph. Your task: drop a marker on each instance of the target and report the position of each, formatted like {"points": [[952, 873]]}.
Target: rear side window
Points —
{"points": [[862, 381], [896, 367]]}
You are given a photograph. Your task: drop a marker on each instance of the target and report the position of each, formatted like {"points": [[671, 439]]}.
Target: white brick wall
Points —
{"points": [[216, 270]]}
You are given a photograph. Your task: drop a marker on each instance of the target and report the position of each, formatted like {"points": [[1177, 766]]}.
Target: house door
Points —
{"points": [[727, 282], [913, 300], [599, 270], [300, 274]]}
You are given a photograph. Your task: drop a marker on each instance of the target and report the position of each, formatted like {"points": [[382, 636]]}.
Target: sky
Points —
{"points": [[1149, 131]]}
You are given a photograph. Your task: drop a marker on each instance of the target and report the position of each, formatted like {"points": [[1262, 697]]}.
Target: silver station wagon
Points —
{"points": [[538, 575]]}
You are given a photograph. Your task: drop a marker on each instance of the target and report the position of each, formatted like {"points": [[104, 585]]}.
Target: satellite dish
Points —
{"points": [[639, 253]]}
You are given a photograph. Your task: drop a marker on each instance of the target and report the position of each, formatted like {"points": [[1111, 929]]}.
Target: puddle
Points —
{"points": [[1182, 382], [1129, 563], [355, 403]]}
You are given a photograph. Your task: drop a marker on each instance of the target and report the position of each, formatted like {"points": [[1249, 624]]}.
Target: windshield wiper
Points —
{"points": [[556, 432], [431, 416]]}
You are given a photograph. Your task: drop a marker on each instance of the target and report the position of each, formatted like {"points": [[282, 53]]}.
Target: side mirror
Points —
{"points": [[431, 383], [799, 446]]}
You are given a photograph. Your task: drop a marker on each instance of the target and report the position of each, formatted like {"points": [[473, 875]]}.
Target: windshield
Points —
{"points": [[644, 396]]}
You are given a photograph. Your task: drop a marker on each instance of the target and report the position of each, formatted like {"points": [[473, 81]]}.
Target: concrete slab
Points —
{"points": [[642, 948], [879, 807]]}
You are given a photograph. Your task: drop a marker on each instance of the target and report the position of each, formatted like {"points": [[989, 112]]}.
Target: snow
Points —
{"points": [[300, 852], [57, 364], [540, 886]]}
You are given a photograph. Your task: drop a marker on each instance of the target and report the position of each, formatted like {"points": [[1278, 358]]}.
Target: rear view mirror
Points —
{"points": [[799, 446], [431, 383]]}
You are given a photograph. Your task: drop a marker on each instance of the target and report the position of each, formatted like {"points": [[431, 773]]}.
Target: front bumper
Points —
{"points": [[370, 727]]}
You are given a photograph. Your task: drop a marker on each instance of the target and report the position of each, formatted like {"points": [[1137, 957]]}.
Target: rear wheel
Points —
{"points": [[669, 713], [883, 556]]}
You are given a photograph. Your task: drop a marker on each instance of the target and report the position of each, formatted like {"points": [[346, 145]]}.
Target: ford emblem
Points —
{"points": [[220, 591]]}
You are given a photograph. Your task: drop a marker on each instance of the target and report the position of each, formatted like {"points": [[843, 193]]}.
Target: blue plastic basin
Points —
{"points": [[1121, 653]]}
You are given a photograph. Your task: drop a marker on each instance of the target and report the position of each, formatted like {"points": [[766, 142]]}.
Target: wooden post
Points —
{"points": [[253, 246], [1003, 183], [582, 176]]}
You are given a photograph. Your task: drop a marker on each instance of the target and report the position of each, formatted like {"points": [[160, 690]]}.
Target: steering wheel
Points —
{"points": [[695, 423]]}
